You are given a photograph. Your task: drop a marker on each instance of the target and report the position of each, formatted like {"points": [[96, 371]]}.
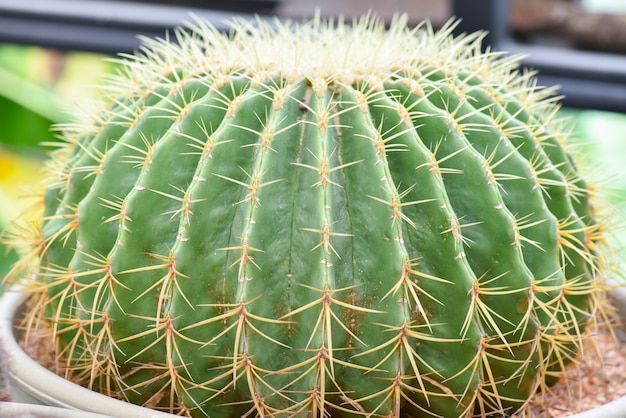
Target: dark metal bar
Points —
{"points": [[589, 80], [96, 25], [585, 94], [481, 15], [588, 65]]}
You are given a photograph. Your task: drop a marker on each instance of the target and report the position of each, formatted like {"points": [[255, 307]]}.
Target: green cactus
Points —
{"points": [[317, 219]]}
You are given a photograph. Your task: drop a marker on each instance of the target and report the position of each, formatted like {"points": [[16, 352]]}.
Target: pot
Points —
{"points": [[31, 383], [24, 410]]}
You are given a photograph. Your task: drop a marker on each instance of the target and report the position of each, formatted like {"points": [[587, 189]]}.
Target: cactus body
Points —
{"points": [[317, 219]]}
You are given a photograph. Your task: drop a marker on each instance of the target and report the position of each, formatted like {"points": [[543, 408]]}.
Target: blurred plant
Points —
{"points": [[17, 175], [36, 87], [603, 150]]}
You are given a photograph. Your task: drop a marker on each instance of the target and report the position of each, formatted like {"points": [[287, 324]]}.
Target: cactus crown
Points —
{"points": [[319, 51], [315, 219]]}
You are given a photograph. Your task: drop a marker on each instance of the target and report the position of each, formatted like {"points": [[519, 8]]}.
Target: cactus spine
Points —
{"points": [[303, 220]]}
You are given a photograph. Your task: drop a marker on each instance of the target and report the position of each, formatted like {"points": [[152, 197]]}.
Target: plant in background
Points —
{"points": [[36, 87], [316, 219]]}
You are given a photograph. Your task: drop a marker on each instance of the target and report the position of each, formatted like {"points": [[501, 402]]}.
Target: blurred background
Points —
{"points": [[52, 53]]}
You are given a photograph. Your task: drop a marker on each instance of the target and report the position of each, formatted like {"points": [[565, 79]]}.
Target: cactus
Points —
{"points": [[316, 219]]}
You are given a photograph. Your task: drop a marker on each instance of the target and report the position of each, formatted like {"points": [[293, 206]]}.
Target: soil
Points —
{"points": [[595, 379]]}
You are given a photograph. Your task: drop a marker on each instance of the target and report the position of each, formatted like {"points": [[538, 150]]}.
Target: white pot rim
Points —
{"points": [[15, 409], [28, 376]]}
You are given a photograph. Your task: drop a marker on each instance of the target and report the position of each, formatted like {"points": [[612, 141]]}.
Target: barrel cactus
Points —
{"points": [[316, 219]]}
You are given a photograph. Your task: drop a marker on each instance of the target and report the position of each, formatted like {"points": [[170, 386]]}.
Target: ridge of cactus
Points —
{"points": [[316, 219]]}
